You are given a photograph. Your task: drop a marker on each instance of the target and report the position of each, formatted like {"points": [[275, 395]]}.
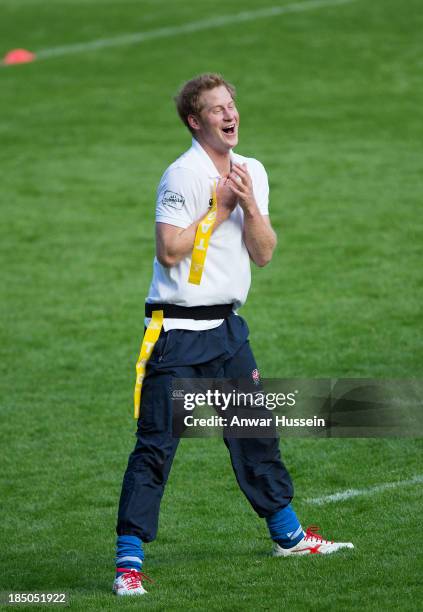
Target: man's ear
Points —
{"points": [[193, 122]]}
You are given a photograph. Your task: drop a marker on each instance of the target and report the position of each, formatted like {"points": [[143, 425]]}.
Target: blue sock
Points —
{"points": [[284, 527], [129, 553]]}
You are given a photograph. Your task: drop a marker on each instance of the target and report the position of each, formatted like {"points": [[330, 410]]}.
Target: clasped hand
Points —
{"points": [[236, 188]]}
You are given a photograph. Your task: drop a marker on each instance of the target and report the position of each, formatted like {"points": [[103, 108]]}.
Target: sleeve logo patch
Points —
{"points": [[175, 200]]}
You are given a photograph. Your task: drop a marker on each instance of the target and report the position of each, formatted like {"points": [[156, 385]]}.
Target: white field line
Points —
{"points": [[349, 493], [194, 26]]}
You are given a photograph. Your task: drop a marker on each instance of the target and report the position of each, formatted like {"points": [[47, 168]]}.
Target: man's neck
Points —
{"points": [[222, 161]]}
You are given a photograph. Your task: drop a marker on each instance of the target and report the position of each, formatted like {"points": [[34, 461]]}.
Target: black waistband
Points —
{"points": [[205, 313]]}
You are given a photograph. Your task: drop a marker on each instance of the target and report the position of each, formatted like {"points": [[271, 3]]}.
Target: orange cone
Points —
{"points": [[18, 56]]}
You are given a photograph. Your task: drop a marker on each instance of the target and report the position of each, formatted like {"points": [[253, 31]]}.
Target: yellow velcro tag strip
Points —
{"points": [[151, 336], [201, 242]]}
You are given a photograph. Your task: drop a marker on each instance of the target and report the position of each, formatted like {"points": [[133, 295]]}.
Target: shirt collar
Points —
{"points": [[206, 161]]}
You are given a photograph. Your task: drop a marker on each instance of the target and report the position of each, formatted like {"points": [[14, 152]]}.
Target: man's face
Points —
{"points": [[218, 120]]}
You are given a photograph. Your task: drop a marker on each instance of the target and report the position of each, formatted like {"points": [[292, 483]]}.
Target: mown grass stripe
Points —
{"points": [[187, 28]]}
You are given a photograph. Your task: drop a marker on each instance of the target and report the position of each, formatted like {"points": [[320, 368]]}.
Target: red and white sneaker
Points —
{"points": [[311, 544], [129, 582]]}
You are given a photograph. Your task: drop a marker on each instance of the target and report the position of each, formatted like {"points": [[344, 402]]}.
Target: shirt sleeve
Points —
{"points": [[261, 187], [177, 194]]}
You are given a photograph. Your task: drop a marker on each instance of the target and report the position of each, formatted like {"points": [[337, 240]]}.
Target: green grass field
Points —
{"points": [[331, 102]]}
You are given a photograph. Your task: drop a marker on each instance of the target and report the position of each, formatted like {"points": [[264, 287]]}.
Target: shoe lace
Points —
{"points": [[145, 577], [133, 579], [312, 534]]}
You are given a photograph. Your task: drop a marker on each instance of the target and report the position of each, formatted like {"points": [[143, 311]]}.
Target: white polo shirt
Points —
{"points": [[183, 196]]}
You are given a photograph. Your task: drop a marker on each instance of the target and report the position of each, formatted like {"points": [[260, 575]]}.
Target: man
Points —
{"points": [[201, 276]]}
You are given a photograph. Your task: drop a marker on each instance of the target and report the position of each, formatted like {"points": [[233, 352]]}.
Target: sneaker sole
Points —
{"points": [[277, 553]]}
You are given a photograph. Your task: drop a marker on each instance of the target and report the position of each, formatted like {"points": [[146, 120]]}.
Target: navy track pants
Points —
{"points": [[223, 352]]}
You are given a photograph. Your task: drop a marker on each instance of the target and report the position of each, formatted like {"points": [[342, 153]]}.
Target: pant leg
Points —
{"points": [[257, 463], [150, 462]]}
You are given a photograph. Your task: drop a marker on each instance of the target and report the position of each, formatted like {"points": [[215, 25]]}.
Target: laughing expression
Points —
{"points": [[217, 123]]}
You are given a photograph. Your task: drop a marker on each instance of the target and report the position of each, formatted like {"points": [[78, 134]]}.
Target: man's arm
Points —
{"points": [[174, 243], [259, 237]]}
